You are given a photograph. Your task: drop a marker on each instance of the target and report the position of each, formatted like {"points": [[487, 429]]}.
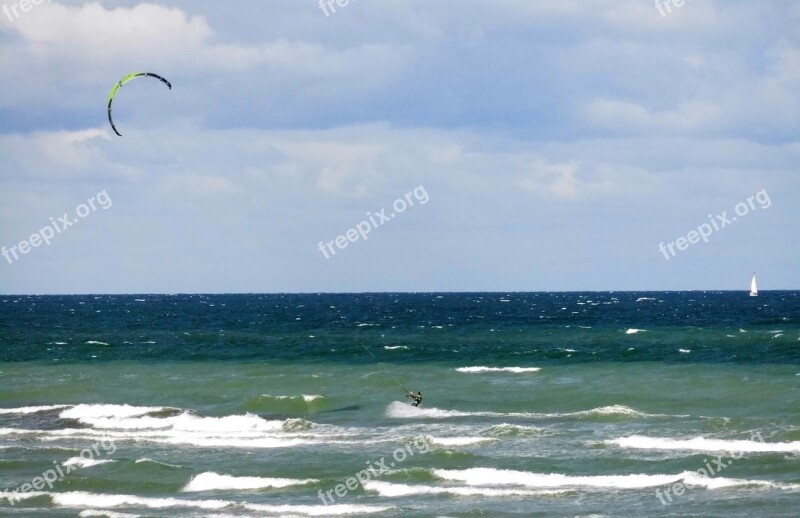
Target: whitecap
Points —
{"points": [[482, 477], [515, 370], [82, 462], [89, 513], [94, 500], [633, 331], [392, 490], [457, 441], [111, 411], [703, 444], [210, 481], [31, 409]]}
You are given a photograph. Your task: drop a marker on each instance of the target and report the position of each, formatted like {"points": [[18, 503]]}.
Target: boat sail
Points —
{"points": [[753, 286]]}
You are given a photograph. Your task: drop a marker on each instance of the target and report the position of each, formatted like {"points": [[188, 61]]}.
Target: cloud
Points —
{"points": [[554, 179], [569, 124], [97, 33], [610, 68]]}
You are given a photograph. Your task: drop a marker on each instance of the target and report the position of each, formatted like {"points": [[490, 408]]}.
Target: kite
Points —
{"points": [[122, 82]]}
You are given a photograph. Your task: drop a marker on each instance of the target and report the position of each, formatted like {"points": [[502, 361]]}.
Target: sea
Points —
{"points": [[598, 404]]}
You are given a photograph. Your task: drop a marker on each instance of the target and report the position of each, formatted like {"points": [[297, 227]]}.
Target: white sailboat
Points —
{"points": [[753, 286]]}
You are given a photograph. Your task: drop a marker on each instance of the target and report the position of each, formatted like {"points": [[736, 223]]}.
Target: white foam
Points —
{"points": [[115, 411], [308, 398], [107, 514], [634, 331], [210, 481], [400, 410], [318, 510], [507, 429], [16, 431], [610, 410], [480, 477], [102, 501], [393, 347], [684, 351], [187, 422], [124, 422], [94, 342], [640, 299], [694, 479], [30, 409], [498, 477], [457, 441], [515, 370], [85, 463], [703, 444], [95, 500], [485, 482], [198, 438], [390, 490]]}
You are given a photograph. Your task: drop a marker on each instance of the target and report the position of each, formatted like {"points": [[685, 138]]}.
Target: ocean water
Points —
{"points": [[534, 404]]}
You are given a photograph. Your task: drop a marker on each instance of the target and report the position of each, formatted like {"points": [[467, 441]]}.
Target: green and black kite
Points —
{"points": [[122, 82]]}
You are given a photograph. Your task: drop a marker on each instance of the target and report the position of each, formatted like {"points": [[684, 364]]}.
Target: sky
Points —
{"points": [[511, 145]]}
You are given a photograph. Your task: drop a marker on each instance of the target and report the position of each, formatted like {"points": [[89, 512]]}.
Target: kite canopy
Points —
{"points": [[122, 82]]}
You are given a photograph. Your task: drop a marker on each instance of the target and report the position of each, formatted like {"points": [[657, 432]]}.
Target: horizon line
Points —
{"points": [[171, 294]]}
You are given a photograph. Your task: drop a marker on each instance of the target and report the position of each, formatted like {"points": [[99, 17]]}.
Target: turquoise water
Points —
{"points": [[668, 404]]}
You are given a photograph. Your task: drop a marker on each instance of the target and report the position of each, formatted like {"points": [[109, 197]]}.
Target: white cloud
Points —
{"points": [[94, 32], [554, 179]]}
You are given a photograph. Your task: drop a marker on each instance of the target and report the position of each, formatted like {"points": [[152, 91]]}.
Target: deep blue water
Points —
{"points": [[486, 327]]}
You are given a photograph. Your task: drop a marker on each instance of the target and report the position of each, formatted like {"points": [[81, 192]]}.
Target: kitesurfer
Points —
{"points": [[416, 397]]}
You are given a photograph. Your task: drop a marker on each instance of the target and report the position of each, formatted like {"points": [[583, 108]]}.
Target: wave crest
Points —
{"points": [[210, 481]]}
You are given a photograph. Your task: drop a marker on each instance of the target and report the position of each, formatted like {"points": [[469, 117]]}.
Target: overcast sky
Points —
{"points": [[558, 144]]}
